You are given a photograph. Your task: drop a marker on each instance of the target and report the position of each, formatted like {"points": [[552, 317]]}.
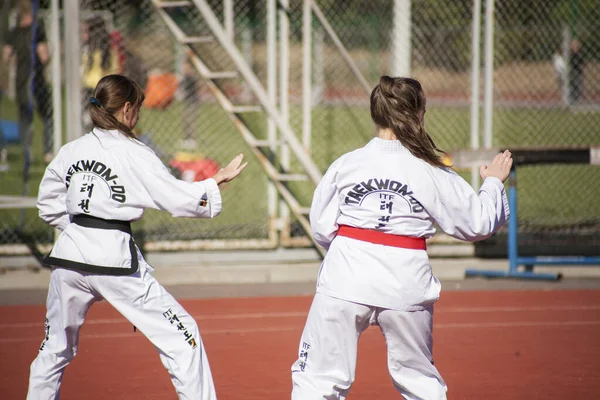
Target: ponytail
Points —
{"points": [[111, 94], [399, 104]]}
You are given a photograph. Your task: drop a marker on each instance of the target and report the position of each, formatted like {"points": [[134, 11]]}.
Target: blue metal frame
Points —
{"points": [[513, 251]]}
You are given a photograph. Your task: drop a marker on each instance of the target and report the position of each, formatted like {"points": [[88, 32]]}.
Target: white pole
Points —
{"points": [[272, 95], [271, 65], [489, 74], [284, 73], [56, 79], [306, 72], [229, 27], [401, 38], [475, 70], [72, 72], [246, 49], [319, 57]]}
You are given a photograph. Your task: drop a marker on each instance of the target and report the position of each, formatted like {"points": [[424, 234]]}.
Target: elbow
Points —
{"points": [[324, 240], [45, 214], [485, 230], [472, 232]]}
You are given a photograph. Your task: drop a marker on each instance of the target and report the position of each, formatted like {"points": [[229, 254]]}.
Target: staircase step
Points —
{"points": [[197, 39], [245, 109], [222, 75], [292, 177], [172, 4]]}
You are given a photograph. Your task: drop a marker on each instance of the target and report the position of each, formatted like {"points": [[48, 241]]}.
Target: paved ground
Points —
{"points": [[275, 273]]}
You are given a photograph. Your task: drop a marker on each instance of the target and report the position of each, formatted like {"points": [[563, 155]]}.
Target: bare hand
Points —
{"points": [[498, 168], [233, 169]]}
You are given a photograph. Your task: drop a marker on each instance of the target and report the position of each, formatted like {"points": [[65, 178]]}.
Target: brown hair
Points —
{"points": [[24, 7], [399, 104], [111, 94]]}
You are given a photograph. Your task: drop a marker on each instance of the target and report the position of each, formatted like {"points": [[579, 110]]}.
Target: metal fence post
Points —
{"points": [[72, 74]]}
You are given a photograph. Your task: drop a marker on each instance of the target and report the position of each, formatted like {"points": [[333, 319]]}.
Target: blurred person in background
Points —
{"points": [[99, 58], [576, 66], [560, 69], [5, 7], [28, 44]]}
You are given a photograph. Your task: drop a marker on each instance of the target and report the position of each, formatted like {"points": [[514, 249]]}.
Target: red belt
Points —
{"points": [[372, 236]]}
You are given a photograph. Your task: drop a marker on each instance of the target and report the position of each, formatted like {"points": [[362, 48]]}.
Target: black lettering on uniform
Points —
{"points": [[360, 190], [118, 189], [367, 185], [417, 207], [118, 197], [87, 164], [76, 167], [71, 171], [98, 168], [381, 184], [350, 201], [404, 191], [357, 196], [395, 185], [107, 177]]}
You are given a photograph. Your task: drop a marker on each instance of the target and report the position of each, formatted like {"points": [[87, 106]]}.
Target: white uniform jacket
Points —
{"points": [[105, 175], [382, 186]]}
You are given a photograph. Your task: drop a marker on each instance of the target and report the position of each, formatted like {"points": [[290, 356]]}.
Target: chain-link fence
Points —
{"points": [[546, 93]]}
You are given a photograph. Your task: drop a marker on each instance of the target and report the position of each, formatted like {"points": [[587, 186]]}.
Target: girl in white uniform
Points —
{"points": [[91, 191], [373, 211]]}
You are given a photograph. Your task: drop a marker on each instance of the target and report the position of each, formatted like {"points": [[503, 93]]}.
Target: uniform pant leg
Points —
{"points": [[68, 301], [326, 363], [409, 341], [148, 306]]}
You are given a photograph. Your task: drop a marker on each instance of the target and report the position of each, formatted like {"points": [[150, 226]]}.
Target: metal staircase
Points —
{"points": [[263, 149]]}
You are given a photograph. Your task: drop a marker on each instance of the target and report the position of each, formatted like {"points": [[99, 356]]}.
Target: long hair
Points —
{"points": [[399, 104], [112, 93]]}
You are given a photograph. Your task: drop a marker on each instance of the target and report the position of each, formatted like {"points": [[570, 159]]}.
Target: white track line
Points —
{"points": [[207, 332], [303, 314]]}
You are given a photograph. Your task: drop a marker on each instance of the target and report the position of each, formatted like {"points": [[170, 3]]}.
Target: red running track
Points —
{"points": [[488, 345]]}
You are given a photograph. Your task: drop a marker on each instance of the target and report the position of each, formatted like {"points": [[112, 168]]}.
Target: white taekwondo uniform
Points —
{"points": [[382, 187], [94, 187]]}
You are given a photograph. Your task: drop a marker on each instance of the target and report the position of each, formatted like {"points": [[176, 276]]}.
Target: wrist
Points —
{"points": [[218, 178]]}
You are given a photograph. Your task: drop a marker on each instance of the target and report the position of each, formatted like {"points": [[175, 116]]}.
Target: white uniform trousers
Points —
{"points": [[140, 299], [326, 365]]}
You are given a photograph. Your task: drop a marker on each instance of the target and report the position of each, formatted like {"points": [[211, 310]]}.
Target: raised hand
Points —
{"points": [[232, 170], [498, 168]]}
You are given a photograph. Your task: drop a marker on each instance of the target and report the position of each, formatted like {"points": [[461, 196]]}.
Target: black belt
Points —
{"points": [[88, 221]]}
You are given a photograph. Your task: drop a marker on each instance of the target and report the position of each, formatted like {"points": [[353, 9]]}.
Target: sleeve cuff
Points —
{"points": [[211, 200], [495, 183]]}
